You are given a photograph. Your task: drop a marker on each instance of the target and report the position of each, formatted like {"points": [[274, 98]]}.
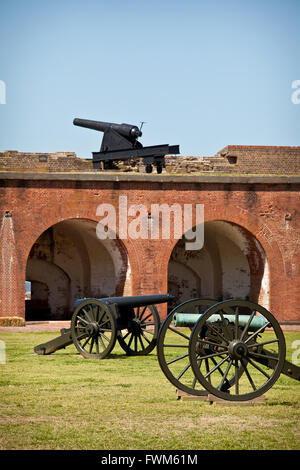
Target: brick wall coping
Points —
{"points": [[153, 178]]}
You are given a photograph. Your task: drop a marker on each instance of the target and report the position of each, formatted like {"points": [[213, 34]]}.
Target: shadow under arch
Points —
{"points": [[95, 268], [231, 264]]}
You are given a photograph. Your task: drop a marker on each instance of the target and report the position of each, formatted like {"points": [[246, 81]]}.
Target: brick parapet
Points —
{"points": [[232, 159]]}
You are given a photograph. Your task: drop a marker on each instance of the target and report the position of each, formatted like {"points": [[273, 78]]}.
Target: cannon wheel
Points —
{"points": [[140, 337], [172, 348], [159, 167], [259, 354], [93, 329]]}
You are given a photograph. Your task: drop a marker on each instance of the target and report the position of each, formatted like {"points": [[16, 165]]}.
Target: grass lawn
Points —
{"points": [[64, 401]]}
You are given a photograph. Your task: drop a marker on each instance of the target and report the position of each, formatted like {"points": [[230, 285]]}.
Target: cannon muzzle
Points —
{"points": [[126, 130]]}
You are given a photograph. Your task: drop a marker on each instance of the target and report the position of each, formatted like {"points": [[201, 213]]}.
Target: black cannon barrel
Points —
{"points": [[132, 301], [139, 300], [127, 130]]}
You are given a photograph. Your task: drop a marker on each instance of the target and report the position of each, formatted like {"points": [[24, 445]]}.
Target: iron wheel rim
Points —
{"points": [[140, 338], [162, 350], [239, 352], [93, 329]]}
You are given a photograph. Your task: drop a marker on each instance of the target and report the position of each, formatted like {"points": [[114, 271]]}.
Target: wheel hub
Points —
{"points": [[92, 328], [135, 327], [237, 349]]}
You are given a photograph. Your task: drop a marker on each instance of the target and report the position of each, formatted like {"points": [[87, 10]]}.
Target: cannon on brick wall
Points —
{"points": [[234, 350], [120, 142]]}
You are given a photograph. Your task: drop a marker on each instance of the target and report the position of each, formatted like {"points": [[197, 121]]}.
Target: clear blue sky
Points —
{"points": [[202, 74]]}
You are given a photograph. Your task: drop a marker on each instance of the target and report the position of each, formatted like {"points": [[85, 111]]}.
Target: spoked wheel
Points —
{"points": [[140, 336], [245, 350], [173, 347], [93, 329]]}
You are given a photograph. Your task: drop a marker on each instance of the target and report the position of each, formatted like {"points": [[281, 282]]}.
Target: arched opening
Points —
{"points": [[231, 264], [68, 262]]}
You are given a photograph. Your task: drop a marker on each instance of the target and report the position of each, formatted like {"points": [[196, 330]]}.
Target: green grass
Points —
{"points": [[63, 401]]}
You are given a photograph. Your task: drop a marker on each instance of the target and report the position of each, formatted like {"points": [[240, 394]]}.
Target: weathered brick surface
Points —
{"points": [[267, 211], [233, 159], [12, 160]]}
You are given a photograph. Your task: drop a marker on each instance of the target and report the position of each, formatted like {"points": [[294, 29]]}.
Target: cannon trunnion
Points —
{"points": [[120, 142], [97, 324]]}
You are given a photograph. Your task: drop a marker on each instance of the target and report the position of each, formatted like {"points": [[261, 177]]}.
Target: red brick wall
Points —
{"points": [[264, 160], [12, 160], [270, 212], [236, 159]]}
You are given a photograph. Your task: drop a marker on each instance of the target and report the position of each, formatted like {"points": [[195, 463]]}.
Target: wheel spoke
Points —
{"points": [[248, 375], [207, 369], [247, 325], [85, 343], [204, 341], [177, 359], [236, 378], [145, 338], [225, 374], [225, 326], [179, 333], [102, 342], [259, 368], [88, 315], [258, 331], [263, 343], [208, 356], [83, 320], [105, 337], [97, 345], [264, 356], [217, 366], [130, 341], [183, 371], [141, 315], [146, 318], [141, 341], [91, 345], [236, 326], [217, 333]]}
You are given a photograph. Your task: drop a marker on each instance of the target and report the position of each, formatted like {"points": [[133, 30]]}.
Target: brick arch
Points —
{"points": [[115, 248], [261, 232], [126, 247]]}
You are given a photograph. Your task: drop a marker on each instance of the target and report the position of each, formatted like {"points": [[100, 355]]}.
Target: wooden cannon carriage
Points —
{"points": [[234, 350], [96, 324]]}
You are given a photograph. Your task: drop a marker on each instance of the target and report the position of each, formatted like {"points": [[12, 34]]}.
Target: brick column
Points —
{"points": [[149, 266], [12, 288]]}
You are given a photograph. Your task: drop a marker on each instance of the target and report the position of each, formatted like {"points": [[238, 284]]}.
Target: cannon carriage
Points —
{"points": [[234, 350], [120, 142], [97, 324]]}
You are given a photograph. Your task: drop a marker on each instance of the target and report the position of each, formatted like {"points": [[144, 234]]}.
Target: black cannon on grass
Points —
{"points": [[234, 350], [97, 324]]}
